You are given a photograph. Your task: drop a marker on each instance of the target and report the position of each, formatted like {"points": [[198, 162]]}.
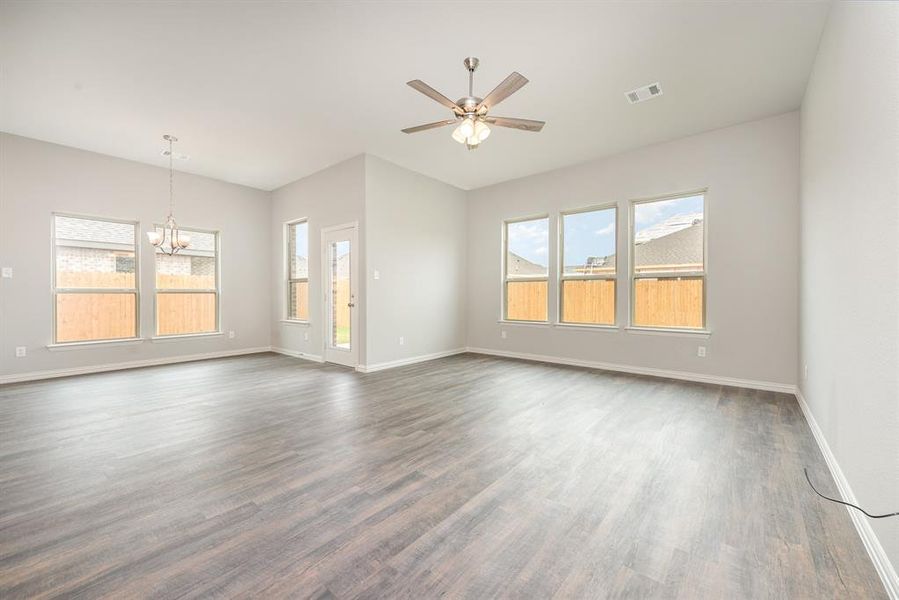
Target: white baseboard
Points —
{"points": [[769, 386], [53, 373], [878, 556], [408, 361], [298, 354]]}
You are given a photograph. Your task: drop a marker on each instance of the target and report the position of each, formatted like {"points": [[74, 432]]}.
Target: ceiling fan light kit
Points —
{"points": [[470, 113]]}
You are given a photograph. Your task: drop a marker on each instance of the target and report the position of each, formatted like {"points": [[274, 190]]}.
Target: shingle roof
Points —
{"points": [[91, 230], [683, 247], [516, 265]]}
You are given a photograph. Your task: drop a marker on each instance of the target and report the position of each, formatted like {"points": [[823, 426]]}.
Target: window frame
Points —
{"points": [[505, 275], [217, 290], [55, 291], [633, 276], [561, 266], [288, 280]]}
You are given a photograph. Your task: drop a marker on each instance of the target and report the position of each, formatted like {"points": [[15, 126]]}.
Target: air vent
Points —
{"points": [[644, 93]]}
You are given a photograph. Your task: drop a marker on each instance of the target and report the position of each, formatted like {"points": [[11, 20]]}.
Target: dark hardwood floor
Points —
{"points": [[269, 477]]}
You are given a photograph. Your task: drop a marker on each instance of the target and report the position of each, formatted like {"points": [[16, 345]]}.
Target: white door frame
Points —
{"points": [[349, 231]]}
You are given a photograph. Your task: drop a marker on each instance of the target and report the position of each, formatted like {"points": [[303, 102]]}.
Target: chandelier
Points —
{"points": [[170, 240]]}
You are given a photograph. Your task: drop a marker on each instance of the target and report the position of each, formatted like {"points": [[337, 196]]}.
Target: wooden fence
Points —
{"points": [[659, 302], [99, 316]]}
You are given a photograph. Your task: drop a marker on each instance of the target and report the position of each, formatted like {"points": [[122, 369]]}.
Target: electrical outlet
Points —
{"points": [[402, 341], [376, 274], [306, 336], [502, 334], [7, 272], [231, 334], [700, 352], [21, 351]]}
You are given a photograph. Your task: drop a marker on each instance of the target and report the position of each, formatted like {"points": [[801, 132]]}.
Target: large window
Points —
{"points": [[187, 286], [95, 284], [587, 282], [526, 276], [298, 271], [668, 263]]}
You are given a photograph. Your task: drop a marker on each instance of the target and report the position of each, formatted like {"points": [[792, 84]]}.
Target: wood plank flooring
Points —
{"points": [[468, 477]]}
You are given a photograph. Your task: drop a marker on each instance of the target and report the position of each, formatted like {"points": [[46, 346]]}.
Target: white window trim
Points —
{"points": [[562, 277], [506, 279], [703, 331], [217, 290], [54, 291], [286, 270], [94, 344], [184, 336]]}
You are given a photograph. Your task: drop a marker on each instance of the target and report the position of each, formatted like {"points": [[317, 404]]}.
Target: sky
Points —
{"points": [[592, 233]]}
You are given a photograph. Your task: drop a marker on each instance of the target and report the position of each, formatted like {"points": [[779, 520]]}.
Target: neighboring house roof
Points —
{"points": [[109, 235], [683, 247], [84, 231], [679, 246], [597, 264], [516, 265]]}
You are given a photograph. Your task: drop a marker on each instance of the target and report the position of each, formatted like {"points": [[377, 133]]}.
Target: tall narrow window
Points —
{"points": [[669, 263], [526, 275], [587, 286], [95, 290], [187, 286], [298, 271]]}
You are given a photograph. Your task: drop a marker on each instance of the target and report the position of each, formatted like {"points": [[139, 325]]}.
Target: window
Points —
{"points": [[525, 276], [95, 292], [298, 271], [669, 263], [187, 286], [587, 285]]}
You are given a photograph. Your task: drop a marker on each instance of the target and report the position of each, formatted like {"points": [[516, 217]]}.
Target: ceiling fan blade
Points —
{"points": [[433, 94], [433, 125], [509, 86], [523, 124]]}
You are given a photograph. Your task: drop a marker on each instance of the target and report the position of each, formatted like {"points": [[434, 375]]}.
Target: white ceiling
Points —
{"points": [[263, 93]]}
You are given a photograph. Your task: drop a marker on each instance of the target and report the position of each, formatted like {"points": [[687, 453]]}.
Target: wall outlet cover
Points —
{"points": [[700, 352], [7, 272], [21, 351], [231, 334]]}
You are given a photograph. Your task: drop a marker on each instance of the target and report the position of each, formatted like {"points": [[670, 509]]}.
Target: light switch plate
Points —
{"points": [[6, 272], [376, 274]]}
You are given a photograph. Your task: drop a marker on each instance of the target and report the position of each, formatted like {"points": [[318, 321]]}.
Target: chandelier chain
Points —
{"points": [[171, 181]]}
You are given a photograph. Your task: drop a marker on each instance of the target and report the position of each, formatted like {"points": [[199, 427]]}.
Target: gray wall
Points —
{"points": [[416, 238], [37, 178], [850, 252], [751, 172], [330, 197]]}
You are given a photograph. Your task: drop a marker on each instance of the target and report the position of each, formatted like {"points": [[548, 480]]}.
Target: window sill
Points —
{"points": [[93, 344], [295, 322], [525, 323], [587, 326], [693, 333], [187, 336]]}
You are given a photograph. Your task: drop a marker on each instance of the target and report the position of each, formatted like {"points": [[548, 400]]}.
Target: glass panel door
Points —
{"points": [[341, 333], [340, 276]]}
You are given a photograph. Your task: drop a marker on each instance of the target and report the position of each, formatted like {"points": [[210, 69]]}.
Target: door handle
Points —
{"points": [[351, 304]]}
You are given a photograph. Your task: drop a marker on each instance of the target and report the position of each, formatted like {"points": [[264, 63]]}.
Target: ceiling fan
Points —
{"points": [[471, 113]]}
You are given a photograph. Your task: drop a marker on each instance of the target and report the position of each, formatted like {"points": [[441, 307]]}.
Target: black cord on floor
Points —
{"points": [[895, 514]]}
